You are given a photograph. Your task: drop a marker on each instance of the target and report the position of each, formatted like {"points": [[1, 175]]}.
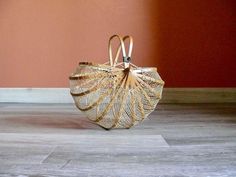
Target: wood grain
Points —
{"points": [[55, 140]]}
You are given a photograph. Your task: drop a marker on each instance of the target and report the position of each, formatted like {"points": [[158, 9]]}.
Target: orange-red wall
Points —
{"points": [[191, 42]]}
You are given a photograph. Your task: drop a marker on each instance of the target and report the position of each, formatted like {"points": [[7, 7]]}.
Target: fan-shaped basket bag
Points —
{"points": [[116, 95]]}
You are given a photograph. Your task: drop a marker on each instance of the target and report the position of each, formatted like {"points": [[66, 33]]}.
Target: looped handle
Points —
{"points": [[126, 58], [121, 46]]}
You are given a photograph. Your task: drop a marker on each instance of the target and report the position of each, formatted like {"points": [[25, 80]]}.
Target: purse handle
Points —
{"points": [[126, 58]]}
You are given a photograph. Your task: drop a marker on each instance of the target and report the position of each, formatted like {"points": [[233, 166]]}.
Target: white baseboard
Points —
{"points": [[199, 95], [35, 95], [170, 95]]}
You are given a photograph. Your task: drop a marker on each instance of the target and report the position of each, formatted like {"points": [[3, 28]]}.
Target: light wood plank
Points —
{"points": [[51, 140]]}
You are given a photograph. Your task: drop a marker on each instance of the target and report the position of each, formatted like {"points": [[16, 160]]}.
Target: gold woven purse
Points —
{"points": [[116, 95]]}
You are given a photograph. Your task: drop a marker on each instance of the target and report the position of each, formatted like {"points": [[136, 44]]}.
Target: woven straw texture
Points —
{"points": [[116, 95]]}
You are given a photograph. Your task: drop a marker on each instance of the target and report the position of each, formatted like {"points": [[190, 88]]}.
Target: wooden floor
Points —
{"points": [[56, 140]]}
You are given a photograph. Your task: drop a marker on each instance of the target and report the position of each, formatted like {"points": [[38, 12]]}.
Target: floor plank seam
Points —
{"points": [[49, 154], [65, 164]]}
